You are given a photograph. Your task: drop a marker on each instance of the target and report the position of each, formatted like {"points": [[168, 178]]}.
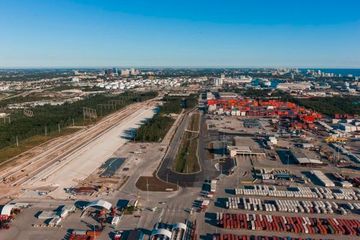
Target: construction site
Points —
{"points": [[65, 162]]}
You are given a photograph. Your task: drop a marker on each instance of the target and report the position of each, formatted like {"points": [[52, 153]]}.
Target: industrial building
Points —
{"points": [[244, 146], [177, 231], [323, 178], [99, 204], [7, 209], [301, 159]]}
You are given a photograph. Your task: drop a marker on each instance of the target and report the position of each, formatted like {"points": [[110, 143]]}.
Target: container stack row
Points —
{"points": [[294, 206], [300, 192], [229, 236], [305, 225]]}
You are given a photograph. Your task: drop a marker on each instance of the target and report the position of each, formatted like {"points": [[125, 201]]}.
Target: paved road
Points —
{"points": [[208, 171]]}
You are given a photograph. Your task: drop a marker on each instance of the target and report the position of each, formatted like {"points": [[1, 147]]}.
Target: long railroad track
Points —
{"points": [[58, 152]]}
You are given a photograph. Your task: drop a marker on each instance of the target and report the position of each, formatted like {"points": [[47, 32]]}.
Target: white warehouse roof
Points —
{"points": [[305, 160], [99, 203], [6, 209], [180, 226], [161, 232]]}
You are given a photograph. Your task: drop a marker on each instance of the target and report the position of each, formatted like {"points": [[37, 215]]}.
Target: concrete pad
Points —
{"points": [[83, 162]]}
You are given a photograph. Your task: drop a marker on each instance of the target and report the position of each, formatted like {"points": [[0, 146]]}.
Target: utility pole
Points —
{"points": [[7, 119], [288, 158], [73, 122], [147, 190], [17, 141], [45, 130], [94, 231], [59, 127]]}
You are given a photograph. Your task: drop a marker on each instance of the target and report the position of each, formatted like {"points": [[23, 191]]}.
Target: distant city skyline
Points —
{"points": [[94, 33]]}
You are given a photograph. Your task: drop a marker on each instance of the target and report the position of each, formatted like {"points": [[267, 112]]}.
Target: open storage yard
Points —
{"points": [[75, 157], [75, 168]]}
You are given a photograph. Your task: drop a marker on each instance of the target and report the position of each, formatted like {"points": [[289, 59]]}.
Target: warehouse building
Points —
{"points": [[302, 159], [99, 204], [6, 210], [170, 232], [245, 146], [325, 181]]}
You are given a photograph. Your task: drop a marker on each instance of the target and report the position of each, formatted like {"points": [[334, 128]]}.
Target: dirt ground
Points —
{"points": [[155, 185]]}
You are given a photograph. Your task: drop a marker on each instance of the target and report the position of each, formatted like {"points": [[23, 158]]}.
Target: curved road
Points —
{"points": [[208, 171]]}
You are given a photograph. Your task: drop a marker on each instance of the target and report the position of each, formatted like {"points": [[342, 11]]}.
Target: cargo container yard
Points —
{"points": [[230, 236], [307, 225]]}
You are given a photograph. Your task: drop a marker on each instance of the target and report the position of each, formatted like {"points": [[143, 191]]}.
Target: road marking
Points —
{"points": [[161, 214]]}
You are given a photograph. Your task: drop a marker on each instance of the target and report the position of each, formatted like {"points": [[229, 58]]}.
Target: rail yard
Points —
{"points": [[57, 154]]}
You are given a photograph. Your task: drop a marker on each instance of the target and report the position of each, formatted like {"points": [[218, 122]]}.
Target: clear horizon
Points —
{"points": [[189, 67], [181, 34]]}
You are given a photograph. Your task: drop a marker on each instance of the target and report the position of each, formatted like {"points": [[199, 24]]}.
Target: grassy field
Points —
{"points": [[13, 150], [187, 159], [154, 184]]}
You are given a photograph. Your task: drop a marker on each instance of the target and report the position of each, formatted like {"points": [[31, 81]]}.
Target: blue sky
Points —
{"points": [[235, 33]]}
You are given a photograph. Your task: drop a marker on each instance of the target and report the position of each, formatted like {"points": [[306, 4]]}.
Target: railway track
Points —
{"points": [[64, 159], [56, 155]]}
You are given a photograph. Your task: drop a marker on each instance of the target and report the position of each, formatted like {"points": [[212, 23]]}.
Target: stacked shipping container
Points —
{"points": [[289, 224]]}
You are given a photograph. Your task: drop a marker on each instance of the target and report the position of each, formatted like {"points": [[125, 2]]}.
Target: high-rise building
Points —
{"points": [[108, 72], [115, 71], [125, 72], [218, 81], [134, 72]]}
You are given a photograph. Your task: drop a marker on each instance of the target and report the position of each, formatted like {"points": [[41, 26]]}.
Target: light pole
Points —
{"points": [[147, 190], [93, 227]]}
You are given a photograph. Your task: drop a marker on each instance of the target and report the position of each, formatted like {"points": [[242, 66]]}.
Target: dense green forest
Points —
{"points": [[156, 128], [331, 105], [50, 116]]}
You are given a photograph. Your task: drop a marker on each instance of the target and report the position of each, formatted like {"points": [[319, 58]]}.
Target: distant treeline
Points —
{"points": [[50, 116], [34, 74], [332, 105]]}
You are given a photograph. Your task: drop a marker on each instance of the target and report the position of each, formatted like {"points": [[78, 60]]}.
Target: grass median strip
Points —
{"points": [[187, 158]]}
